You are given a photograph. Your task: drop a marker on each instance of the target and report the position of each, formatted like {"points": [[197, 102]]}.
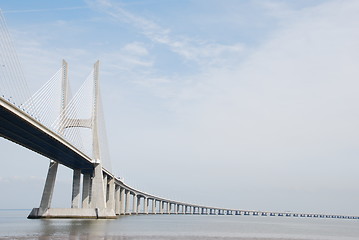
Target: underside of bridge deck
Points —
{"points": [[22, 132]]}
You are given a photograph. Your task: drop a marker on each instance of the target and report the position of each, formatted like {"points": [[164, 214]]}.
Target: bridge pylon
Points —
{"points": [[96, 202]]}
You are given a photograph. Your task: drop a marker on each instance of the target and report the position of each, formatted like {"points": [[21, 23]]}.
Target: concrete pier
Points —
{"points": [[128, 196], [76, 181], [134, 204], [117, 199], [86, 190], [153, 206]]}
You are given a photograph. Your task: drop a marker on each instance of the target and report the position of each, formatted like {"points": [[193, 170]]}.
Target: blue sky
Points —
{"points": [[247, 104]]}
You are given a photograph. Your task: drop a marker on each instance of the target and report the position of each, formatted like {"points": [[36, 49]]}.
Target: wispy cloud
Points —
{"points": [[189, 48], [45, 10]]}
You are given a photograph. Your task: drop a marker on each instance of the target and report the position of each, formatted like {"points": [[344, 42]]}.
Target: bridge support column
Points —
{"points": [[49, 186], [110, 204], [134, 204], [145, 205], [128, 196], [86, 183], [168, 207], [161, 207], [138, 208], [98, 191], [47, 193], [76, 188], [117, 200], [153, 206], [105, 187], [123, 201]]}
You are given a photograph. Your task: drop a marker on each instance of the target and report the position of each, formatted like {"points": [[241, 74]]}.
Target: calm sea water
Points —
{"points": [[14, 225]]}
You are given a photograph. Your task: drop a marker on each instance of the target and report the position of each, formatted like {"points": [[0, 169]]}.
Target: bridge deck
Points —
{"points": [[18, 128]]}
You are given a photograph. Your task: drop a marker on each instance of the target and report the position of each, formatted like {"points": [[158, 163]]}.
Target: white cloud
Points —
{"points": [[136, 48], [191, 49], [45, 10]]}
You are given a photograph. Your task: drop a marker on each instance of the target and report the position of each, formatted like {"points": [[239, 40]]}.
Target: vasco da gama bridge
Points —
{"points": [[69, 130]]}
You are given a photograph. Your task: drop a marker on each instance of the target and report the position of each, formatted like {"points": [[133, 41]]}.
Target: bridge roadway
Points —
{"points": [[120, 198], [28, 132]]}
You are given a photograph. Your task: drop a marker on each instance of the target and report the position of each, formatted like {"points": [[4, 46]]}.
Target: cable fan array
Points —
{"points": [[73, 120], [13, 87], [103, 140], [77, 114], [45, 104]]}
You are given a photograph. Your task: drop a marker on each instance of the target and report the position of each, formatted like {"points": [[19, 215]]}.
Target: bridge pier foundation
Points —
{"points": [[93, 198]]}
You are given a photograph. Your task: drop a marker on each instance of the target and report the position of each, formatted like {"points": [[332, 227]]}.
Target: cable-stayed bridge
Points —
{"points": [[69, 129]]}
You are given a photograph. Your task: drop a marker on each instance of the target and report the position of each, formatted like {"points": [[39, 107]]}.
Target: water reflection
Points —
{"points": [[72, 229], [15, 226]]}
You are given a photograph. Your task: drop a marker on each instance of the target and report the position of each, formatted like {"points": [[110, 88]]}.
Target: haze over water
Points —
{"points": [[14, 225]]}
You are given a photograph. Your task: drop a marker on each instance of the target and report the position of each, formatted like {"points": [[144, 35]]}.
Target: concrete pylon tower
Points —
{"points": [[52, 171], [97, 189], [98, 192], [64, 85], [95, 111]]}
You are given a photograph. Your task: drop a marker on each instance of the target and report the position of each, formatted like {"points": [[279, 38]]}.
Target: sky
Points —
{"points": [[239, 104]]}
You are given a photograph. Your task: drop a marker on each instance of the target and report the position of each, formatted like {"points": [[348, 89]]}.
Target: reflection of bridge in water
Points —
{"points": [[71, 132]]}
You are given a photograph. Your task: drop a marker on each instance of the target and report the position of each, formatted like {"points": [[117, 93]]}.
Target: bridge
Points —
{"points": [[69, 130]]}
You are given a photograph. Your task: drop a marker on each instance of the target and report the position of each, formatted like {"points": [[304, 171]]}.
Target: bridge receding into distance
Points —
{"points": [[69, 130]]}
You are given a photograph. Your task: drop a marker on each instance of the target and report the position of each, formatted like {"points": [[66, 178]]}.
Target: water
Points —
{"points": [[14, 225]]}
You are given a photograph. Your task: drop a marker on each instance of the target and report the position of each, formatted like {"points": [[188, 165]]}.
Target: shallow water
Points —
{"points": [[15, 225]]}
